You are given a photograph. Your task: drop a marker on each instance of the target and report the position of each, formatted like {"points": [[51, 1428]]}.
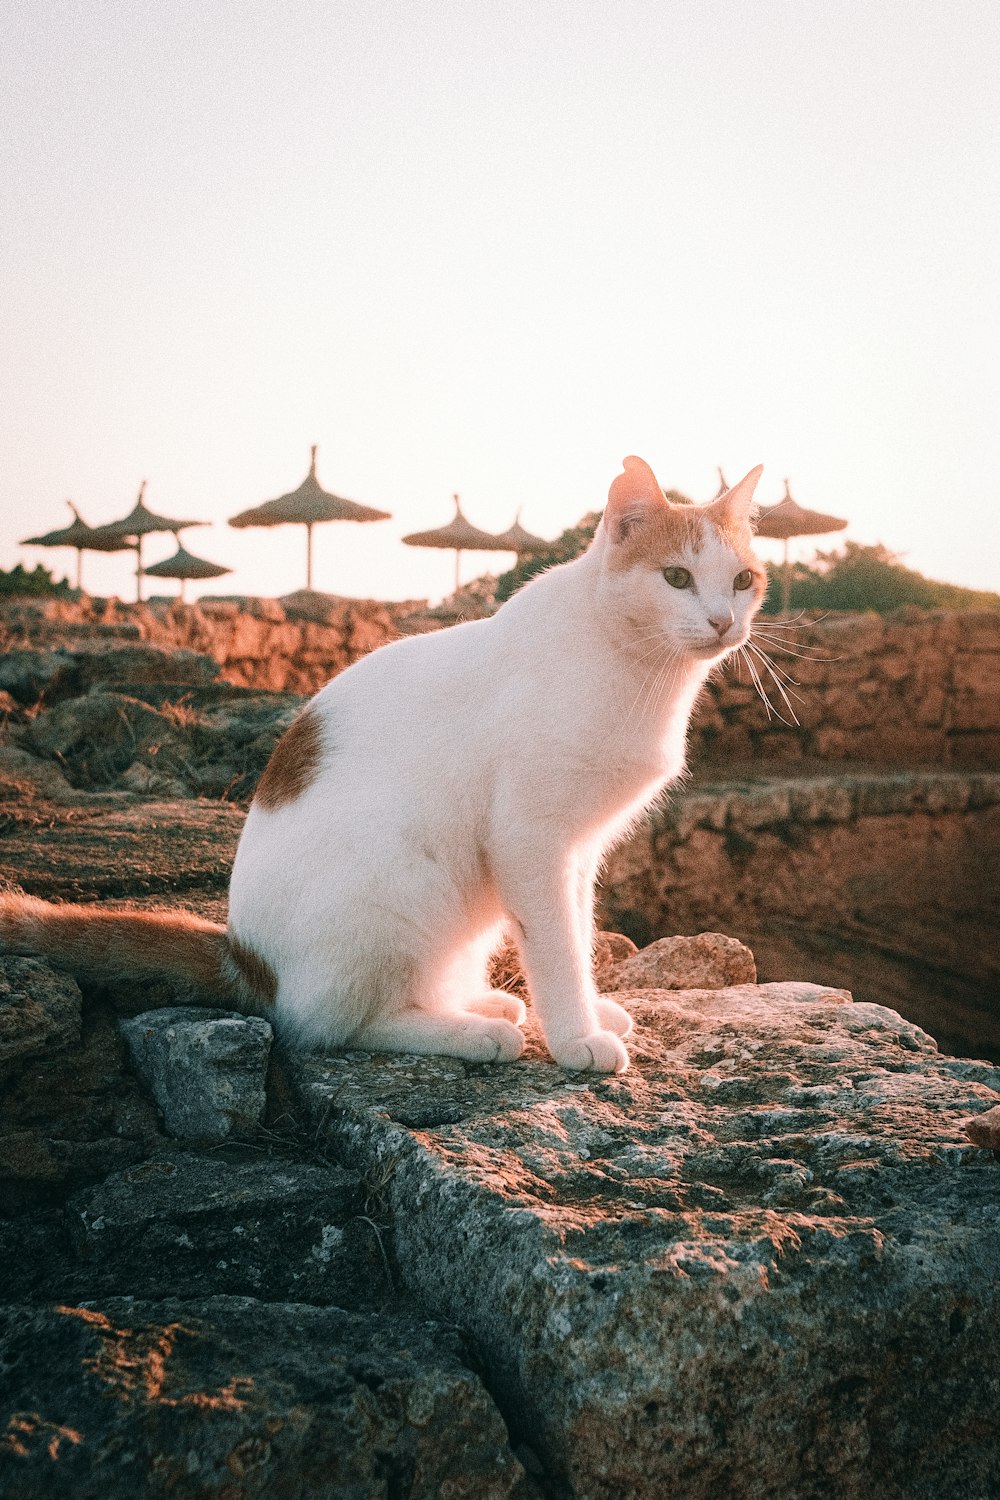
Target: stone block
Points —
{"points": [[231, 1397], [822, 800], [764, 1262], [760, 806], [190, 1225], [204, 1068]]}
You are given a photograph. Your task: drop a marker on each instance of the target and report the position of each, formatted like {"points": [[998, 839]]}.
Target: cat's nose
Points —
{"points": [[721, 622]]}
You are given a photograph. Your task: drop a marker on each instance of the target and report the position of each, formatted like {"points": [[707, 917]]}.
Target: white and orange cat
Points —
{"points": [[453, 785]]}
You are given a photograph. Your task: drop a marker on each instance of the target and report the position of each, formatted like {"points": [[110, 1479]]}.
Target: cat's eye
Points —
{"points": [[678, 578], [743, 580]]}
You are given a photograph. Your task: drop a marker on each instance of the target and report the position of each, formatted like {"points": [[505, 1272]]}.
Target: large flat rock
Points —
{"points": [[765, 1262], [229, 1397], [111, 846]]}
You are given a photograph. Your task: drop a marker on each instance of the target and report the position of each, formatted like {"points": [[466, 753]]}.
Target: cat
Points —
{"points": [[454, 785]]}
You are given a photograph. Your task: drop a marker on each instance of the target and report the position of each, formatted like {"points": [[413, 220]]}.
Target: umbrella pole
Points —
{"points": [[79, 567], [458, 563], [138, 570], [786, 582], [309, 548]]}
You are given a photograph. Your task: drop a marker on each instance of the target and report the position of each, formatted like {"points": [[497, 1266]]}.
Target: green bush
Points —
{"points": [[38, 581], [858, 578]]}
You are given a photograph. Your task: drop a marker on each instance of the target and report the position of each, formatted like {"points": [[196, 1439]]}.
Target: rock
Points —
{"points": [[709, 961], [103, 845], [984, 1130], [765, 1262], [23, 778], [190, 1225], [96, 737], [205, 1069], [74, 1111], [230, 1397], [26, 675], [39, 1011]]}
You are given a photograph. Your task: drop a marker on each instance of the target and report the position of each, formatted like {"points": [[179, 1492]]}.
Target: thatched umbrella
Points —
{"points": [[524, 543], [82, 538], [140, 522], [185, 565], [308, 505], [458, 536], [787, 519]]}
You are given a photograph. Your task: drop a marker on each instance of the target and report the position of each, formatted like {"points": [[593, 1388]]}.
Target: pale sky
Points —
{"points": [[493, 248]]}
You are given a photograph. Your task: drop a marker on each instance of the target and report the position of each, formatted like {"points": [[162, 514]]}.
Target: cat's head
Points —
{"points": [[687, 573]]}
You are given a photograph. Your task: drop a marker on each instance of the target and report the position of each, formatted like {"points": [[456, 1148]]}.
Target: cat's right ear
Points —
{"points": [[635, 497]]}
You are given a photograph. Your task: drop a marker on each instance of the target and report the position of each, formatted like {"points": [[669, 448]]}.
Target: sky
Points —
{"points": [[490, 248]]}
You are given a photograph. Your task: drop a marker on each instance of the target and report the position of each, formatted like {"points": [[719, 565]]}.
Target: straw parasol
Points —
{"points": [[308, 505], [458, 536], [787, 519], [185, 565], [524, 543], [140, 522], [82, 538]]}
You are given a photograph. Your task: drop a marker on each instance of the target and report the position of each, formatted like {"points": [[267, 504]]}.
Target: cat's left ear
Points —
{"points": [[634, 498], [738, 504]]}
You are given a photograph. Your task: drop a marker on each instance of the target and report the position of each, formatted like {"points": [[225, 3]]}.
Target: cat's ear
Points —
{"points": [[634, 498], [738, 503]]}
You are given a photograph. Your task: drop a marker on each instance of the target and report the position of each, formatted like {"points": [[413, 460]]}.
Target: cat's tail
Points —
{"points": [[97, 943]]}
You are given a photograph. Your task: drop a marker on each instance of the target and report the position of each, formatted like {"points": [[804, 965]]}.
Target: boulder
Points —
{"points": [[984, 1129], [765, 1262], [708, 961], [96, 737], [227, 1397], [205, 1069]]}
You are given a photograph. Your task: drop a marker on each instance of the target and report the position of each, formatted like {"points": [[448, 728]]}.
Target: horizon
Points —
{"points": [[491, 250]]}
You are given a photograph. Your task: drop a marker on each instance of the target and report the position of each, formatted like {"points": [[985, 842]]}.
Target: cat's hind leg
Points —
{"points": [[466, 987], [498, 1003], [452, 1033]]}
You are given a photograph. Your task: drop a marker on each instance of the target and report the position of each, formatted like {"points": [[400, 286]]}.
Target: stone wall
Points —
{"points": [[888, 884], [914, 688], [291, 646]]}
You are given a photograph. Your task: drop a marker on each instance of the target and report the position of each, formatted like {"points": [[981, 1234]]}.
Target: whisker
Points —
{"points": [[782, 673], [779, 684], [755, 676]]}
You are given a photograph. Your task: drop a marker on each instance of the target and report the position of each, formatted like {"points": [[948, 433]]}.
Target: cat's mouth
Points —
{"points": [[718, 645]]}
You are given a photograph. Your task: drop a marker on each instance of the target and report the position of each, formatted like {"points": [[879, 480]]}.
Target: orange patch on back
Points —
{"points": [[255, 972], [294, 763]]}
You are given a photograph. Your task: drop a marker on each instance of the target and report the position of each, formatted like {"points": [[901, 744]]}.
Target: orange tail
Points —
{"points": [[96, 943]]}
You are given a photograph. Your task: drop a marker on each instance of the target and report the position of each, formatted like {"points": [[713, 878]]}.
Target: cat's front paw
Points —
{"points": [[598, 1052], [612, 1016]]}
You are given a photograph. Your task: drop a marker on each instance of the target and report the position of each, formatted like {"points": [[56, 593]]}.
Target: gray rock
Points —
{"points": [[191, 1225], [39, 1011], [98, 736], [230, 1397], [205, 1069], [763, 1263]]}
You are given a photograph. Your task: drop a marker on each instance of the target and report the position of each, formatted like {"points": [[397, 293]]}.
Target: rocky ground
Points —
{"points": [[764, 1263]]}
